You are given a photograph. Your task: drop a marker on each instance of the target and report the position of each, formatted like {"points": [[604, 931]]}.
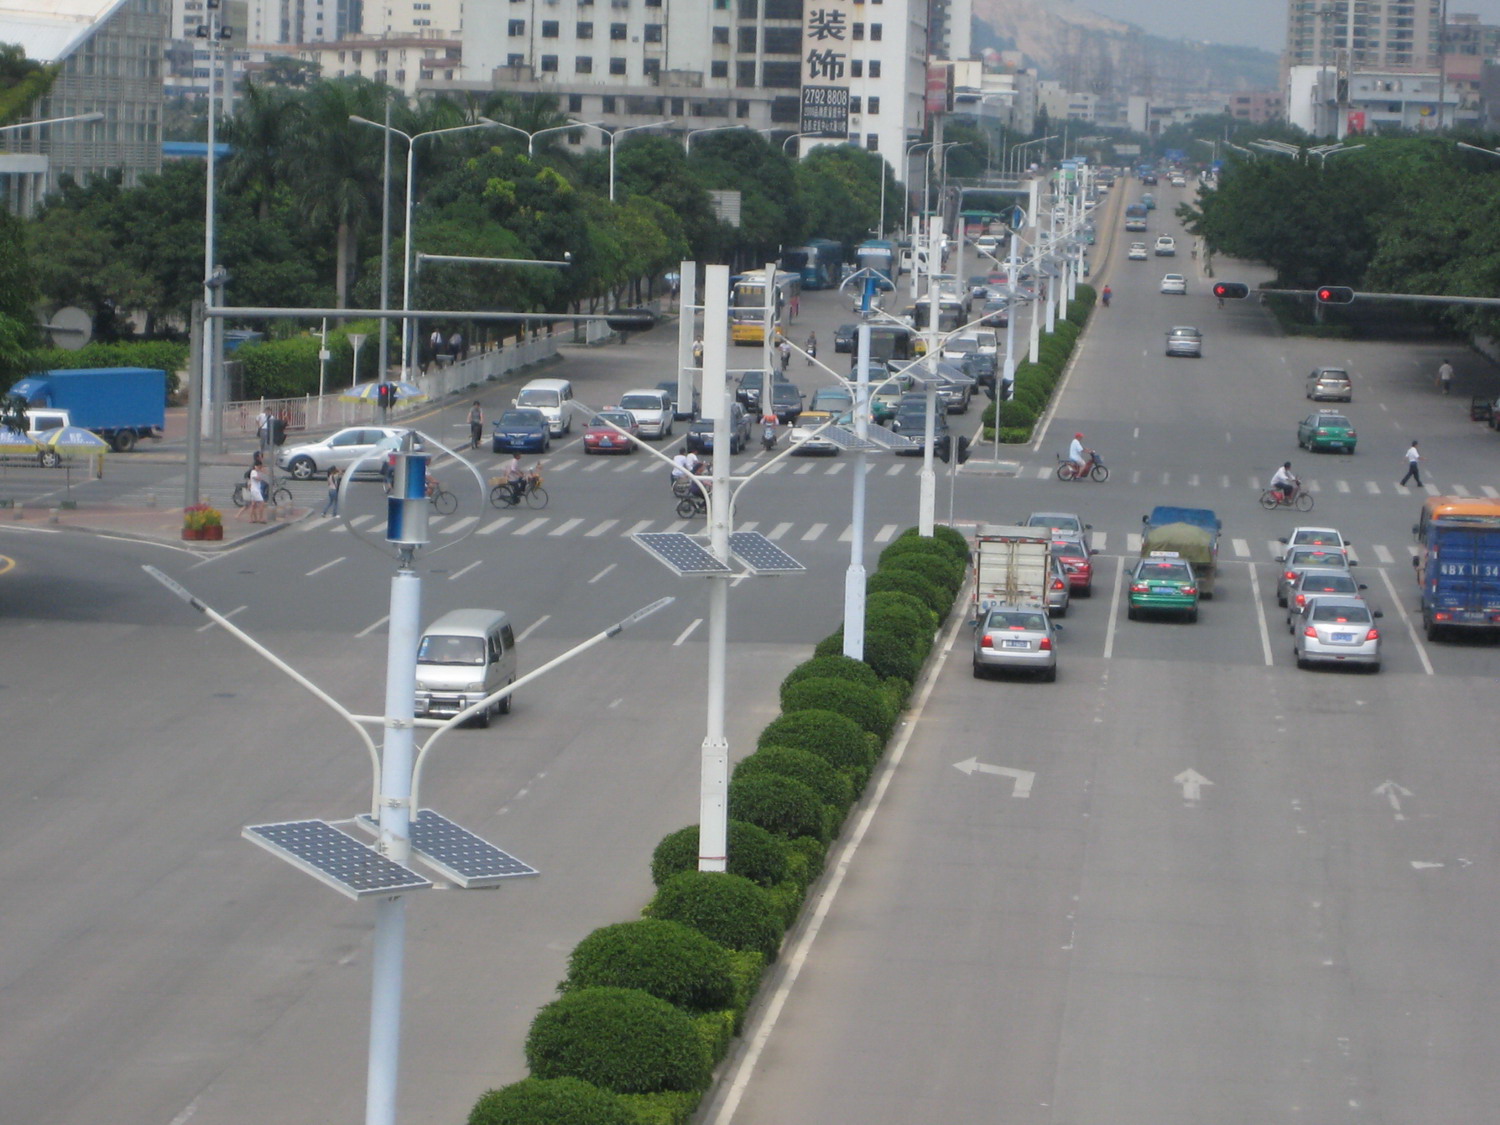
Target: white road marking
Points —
{"points": [[370, 628], [1135, 477], [496, 525], [637, 527], [568, 464], [801, 469], [602, 573], [1430, 488], [1043, 473], [1402, 490], [1489, 492], [1342, 485], [596, 466], [1114, 608], [1166, 480], [565, 527], [1224, 481], [886, 533], [214, 625], [1192, 480], [686, 633], [1313, 486], [529, 527], [836, 467], [1260, 616], [600, 529], [532, 628], [1411, 628], [459, 524], [894, 469], [680, 525], [1458, 490], [1372, 488], [847, 535], [1097, 540], [325, 566], [748, 525], [1255, 484], [1132, 543], [460, 573], [814, 532], [779, 530], [1382, 554], [1277, 548]]}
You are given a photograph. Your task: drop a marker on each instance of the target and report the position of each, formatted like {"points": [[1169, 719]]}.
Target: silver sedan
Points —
{"points": [[1299, 559], [1337, 631], [1020, 639]]}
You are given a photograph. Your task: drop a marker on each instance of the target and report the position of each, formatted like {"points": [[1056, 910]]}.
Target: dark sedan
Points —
{"points": [[522, 430], [700, 433], [843, 337], [751, 384], [786, 401]]}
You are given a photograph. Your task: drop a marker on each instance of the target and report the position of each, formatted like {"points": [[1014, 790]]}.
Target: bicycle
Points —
{"points": [[528, 488], [443, 502], [1094, 469], [280, 494], [693, 504], [1273, 498]]}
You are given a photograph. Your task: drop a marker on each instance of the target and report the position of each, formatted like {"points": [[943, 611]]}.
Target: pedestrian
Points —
{"points": [[456, 345], [388, 471], [335, 475], [698, 352], [255, 493], [785, 348], [1445, 377], [812, 348], [263, 427], [1413, 469], [796, 304], [476, 425], [257, 461]]}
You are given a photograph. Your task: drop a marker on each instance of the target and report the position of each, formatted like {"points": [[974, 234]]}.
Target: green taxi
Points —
{"points": [[886, 394], [1326, 431], [1163, 582]]}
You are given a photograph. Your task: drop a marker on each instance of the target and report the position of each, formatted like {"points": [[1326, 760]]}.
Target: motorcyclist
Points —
{"points": [[768, 431], [1106, 295], [1078, 455], [684, 465], [1284, 482]]}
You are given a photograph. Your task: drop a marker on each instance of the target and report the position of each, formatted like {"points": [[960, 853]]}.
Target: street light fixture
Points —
{"points": [[614, 135], [794, 137], [95, 116], [406, 250], [687, 141], [530, 136]]}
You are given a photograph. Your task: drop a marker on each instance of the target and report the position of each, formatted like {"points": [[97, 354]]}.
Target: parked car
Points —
{"points": [[339, 451], [523, 429], [599, 437]]}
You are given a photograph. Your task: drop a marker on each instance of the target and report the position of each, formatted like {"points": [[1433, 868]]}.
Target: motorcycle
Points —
{"points": [[1273, 498], [695, 503], [768, 437], [1093, 469]]}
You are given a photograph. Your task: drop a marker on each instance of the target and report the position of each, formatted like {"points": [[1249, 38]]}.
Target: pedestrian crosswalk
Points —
{"points": [[1312, 484], [1243, 549]]}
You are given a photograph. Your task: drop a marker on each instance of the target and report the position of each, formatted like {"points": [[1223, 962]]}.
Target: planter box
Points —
{"points": [[192, 533]]}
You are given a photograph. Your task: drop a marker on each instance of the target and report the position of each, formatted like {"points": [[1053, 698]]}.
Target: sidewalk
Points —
{"points": [[151, 525]]}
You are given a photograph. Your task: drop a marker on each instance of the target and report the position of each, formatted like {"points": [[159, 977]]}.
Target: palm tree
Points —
{"points": [[263, 137]]}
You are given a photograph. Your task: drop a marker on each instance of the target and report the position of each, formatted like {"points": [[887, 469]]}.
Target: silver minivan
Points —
{"points": [[652, 410], [464, 656], [554, 398]]}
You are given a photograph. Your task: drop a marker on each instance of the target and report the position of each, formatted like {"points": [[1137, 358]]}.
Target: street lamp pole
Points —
{"points": [[687, 140], [795, 136], [214, 31], [613, 134]]}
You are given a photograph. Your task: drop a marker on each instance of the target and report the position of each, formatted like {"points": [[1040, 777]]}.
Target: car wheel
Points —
{"points": [[1300, 662], [1060, 611], [1131, 613], [50, 458], [302, 468], [482, 719], [1050, 675], [978, 670], [504, 705], [124, 441], [1281, 601]]}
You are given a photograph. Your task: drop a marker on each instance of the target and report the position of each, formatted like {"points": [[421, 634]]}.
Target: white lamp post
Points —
{"points": [[796, 136], [614, 135], [530, 136], [687, 141]]}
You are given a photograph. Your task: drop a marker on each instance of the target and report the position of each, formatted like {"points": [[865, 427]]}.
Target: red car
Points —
{"points": [[1075, 559], [598, 437]]}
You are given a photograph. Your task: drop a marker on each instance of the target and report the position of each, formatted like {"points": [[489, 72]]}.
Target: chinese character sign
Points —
{"points": [[827, 37]]}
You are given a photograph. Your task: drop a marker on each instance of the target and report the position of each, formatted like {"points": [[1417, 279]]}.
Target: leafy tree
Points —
{"points": [[840, 191], [17, 295]]}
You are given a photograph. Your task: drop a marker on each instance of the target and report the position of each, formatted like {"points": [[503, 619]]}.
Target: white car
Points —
{"points": [[987, 244], [1174, 283], [1166, 246], [1179, 181], [341, 449], [1137, 252], [804, 442]]}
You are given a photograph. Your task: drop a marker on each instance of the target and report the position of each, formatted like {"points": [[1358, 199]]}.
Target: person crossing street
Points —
{"points": [[1414, 461]]}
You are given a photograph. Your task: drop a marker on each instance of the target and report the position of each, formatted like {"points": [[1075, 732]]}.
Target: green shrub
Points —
{"points": [[170, 356], [929, 593], [908, 619], [831, 645], [889, 603], [789, 897], [805, 862], [730, 909], [672, 1107], [622, 1039], [864, 704], [778, 804], [746, 966], [818, 774], [837, 666], [1014, 435], [666, 959], [754, 854], [716, 1030], [1066, 331], [892, 654], [832, 737], [911, 543], [938, 569], [550, 1101], [1018, 415]]}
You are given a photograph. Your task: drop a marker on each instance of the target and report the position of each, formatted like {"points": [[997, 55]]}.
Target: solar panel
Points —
{"points": [[464, 858], [336, 858], [888, 440], [848, 439], [681, 552], [761, 555]]}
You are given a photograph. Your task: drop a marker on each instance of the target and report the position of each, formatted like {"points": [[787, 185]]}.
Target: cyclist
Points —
{"points": [[1078, 455], [1285, 483], [515, 476]]}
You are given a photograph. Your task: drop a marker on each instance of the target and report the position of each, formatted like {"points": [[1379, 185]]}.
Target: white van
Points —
{"points": [[652, 410], [464, 656], [554, 398]]}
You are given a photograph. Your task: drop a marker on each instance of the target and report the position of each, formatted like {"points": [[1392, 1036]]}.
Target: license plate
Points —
{"points": [[1016, 644], [1343, 638], [1337, 444], [606, 442], [1163, 590]]}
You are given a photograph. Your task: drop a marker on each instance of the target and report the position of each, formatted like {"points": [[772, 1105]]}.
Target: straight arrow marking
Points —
{"points": [[1022, 778], [1393, 793], [1192, 783]]}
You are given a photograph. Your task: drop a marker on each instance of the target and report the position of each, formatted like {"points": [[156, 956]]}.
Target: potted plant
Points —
{"points": [[200, 521]]}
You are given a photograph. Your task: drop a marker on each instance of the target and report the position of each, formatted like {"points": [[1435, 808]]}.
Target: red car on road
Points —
{"points": [[1075, 559], [599, 437]]}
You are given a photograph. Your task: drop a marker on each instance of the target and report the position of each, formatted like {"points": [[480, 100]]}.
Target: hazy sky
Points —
{"points": [[1248, 23]]}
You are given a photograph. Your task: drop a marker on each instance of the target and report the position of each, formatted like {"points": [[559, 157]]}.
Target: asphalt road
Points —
{"points": [[1187, 882]]}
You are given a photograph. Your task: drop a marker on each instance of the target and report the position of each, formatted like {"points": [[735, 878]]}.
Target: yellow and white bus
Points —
{"points": [[747, 304]]}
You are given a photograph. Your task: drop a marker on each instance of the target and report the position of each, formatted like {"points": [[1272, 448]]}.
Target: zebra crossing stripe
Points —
{"points": [[496, 525], [847, 535], [1489, 492], [638, 527], [779, 530], [528, 528], [749, 525], [893, 470], [835, 468], [1343, 485], [814, 532], [1372, 488], [458, 525], [801, 469], [568, 464], [1098, 540], [1192, 480], [885, 534], [1459, 490], [600, 529], [1132, 543], [1043, 472], [595, 466], [1313, 486], [1382, 553], [565, 527]]}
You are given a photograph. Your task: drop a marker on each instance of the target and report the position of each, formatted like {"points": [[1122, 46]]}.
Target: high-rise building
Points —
{"points": [[1390, 35]]}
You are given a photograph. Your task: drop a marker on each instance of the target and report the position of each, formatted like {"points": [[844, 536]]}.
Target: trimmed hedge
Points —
{"points": [[866, 705], [818, 774], [937, 567], [170, 356], [835, 738], [898, 581], [551, 1101], [622, 1039], [889, 609], [754, 854], [780, 805], [835, 667], [666, 959], [892, 654], [730, 909]]}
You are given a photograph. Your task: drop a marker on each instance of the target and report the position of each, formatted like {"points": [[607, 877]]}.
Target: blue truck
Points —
{"points": [[1190, 533], [1458, 574], [120, 404]]}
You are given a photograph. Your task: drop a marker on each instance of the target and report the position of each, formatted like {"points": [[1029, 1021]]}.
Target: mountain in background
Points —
{"points": [[1093, 53]]}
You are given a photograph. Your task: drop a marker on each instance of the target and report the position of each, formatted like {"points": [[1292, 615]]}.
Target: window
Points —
{"points": [[607, 103], [858, 31], [617, 66], [856, 68], [749, 9], [787, 111], [653, 3], [549, 63], [875, 30], [517, 27], [746, 39], [741, 109], [677, 107], [854, 103], [783, 40], [872, 142], [721, 37], [874, 105], [515, 60], [617, 31], [585, 31], [782, 75], [549, 29], [653, 33], [784, 10], [744, 73], [651, 67], [718, 68], [582, 65], [874, 68], [575, 103]]}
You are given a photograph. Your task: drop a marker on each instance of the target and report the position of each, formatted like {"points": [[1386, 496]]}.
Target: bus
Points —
{"points": [[1135, 217], [747, 304], [879, 256], [819, 263]]}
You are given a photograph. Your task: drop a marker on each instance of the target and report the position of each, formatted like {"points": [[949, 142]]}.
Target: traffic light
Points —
{"points": [[962, 452], [1231, 291], [384, 395], [1335, 294], [942, 448]]}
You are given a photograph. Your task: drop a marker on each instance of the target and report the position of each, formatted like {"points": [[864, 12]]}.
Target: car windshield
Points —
{"points": [[1329, 584], [1331, 420], [535, 397], [1189, 333], [624, 421], [1316, 539], [1063, 523], [1164, 572], [1068, 550], [451, 650], [961, 345], [641, 402], [785, 392], [1016, 621], [1317, 558], [1341, 614], [522, 418]]}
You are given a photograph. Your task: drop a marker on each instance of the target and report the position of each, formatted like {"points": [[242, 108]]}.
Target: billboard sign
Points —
{"points": [[827, 32]]}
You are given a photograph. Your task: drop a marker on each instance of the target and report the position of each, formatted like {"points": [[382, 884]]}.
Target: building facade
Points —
{"points": [[1394, 35]]}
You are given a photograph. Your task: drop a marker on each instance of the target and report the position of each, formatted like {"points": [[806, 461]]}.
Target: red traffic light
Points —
{"points": [[1231, 290], [1335, 295]]}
